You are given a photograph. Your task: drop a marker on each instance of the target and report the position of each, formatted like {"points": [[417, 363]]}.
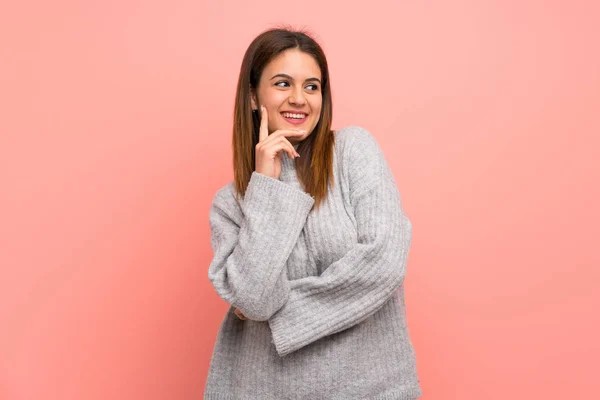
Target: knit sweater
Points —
{"points": [[322, 288]]}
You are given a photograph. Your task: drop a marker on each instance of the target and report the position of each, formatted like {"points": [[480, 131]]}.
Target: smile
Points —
{"points": [[294, 118]]}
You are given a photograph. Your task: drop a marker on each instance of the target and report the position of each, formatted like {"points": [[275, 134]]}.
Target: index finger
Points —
{"points": [[264, 124]]}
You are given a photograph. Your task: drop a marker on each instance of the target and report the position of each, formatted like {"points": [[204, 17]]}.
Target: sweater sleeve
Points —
{"points": [[252, 242], [354, 287]]}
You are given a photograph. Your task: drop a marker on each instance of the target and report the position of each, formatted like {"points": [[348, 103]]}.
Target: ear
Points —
{"points": [[253, 99]]}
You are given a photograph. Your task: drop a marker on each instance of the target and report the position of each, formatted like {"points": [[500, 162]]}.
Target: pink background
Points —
{"points": [[115, 133]]}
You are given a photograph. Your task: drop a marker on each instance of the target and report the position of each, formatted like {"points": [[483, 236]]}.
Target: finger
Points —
{"points": [[264, 124], [288, 132], [283, 133], [239, 314], [275, 145]]}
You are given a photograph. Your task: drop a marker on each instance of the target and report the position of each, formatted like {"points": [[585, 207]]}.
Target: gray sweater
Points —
{"points": [[322, 288]]}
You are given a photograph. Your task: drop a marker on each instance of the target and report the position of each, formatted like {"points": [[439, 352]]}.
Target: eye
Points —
{"points": [[278, 83], [315, 86]]}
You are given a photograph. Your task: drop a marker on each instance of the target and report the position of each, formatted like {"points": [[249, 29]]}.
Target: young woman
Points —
{"points": [[310, 244]]}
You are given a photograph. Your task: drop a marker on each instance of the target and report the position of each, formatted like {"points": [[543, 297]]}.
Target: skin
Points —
{"points": [[290, 82]]}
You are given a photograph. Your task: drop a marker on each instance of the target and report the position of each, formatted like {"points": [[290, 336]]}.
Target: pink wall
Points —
{"points": [[115, 134]]}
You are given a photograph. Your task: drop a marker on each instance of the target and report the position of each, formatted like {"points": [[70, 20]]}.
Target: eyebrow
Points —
{"points": [[290, 78]]}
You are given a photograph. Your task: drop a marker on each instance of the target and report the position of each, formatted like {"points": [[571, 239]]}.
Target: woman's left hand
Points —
{"points": [[239, 314]]}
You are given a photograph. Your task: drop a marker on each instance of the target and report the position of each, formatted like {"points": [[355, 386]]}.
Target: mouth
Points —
{"points": [[294, 118]]}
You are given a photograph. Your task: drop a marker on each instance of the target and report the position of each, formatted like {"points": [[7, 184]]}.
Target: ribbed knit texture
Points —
{"points": [[322, 288]]}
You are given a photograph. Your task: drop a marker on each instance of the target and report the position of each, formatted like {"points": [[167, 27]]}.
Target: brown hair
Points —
{"points": [[314, 167]]}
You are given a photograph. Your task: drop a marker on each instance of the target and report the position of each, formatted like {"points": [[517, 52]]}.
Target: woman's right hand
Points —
{"points": [[270, 148]]}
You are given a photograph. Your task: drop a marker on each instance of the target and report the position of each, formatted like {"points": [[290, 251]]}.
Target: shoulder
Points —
{"points": [[363, 163], [225, 195], [355, 144], [350, 136]]}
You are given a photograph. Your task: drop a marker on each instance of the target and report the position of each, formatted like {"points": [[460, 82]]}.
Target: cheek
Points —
{"points": [[317, 108], [317, 105]]}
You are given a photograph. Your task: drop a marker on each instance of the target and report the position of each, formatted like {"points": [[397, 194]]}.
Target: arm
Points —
{"points": [[251, 245], [354, 287]]}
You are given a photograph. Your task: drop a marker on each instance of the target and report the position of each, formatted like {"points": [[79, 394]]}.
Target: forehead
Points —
{"points": [[295, 63]]}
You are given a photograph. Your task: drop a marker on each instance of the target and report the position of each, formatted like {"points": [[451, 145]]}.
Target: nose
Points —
{"points": [[297, 97]]}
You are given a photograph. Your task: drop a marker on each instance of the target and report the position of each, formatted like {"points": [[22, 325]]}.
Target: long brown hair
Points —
{"points": [[314, 167]]}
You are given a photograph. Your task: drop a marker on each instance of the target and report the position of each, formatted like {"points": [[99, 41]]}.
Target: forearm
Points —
{"points": [[248, 268]]}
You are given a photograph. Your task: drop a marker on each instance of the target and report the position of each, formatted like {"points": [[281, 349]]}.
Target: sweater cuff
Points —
{"points": [[264, 191], [283, 345], [287, 335]]}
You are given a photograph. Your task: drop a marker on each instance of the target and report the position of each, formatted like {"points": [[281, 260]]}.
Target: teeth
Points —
{"points": [[291, 115]]}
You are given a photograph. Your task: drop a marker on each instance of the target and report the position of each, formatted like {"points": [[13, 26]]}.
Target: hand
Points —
{"points": [[239, 314], [270, 148]]}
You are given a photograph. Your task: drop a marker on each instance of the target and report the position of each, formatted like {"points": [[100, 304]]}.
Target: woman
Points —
{"points": [[310, 247]]}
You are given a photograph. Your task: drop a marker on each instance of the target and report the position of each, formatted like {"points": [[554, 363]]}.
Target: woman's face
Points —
{"points": [[291, 83]]}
